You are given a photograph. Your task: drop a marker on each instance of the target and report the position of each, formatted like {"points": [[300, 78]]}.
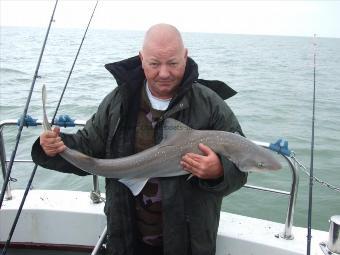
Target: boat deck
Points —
{"points": [[70, 222]]}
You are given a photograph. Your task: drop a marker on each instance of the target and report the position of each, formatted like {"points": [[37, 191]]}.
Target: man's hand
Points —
{"points": [[206, 166], [51, 142]]}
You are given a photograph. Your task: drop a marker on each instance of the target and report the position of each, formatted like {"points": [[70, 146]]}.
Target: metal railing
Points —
{"points": [[95, 193], [287, 232]]}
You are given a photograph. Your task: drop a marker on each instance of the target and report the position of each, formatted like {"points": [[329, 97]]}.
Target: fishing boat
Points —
{"points": [[73, 222]]}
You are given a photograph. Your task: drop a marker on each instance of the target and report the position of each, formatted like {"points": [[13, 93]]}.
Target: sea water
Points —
{"points": [[272, 74]]}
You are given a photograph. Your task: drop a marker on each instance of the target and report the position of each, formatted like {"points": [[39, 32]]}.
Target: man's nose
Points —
{"points": [[163, 72]]}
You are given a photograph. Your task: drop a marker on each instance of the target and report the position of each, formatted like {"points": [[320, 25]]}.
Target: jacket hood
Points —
{"points": [[129, 72]]}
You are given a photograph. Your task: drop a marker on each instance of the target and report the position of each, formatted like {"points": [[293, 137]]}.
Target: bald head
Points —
{"points": [[163, 58], [163, 35]]}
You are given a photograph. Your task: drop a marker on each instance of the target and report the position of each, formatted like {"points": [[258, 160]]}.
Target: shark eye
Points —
{"points": [[260, 164]]}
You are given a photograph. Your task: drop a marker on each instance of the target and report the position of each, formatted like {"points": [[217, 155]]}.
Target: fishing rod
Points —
{"points": [[9, 169], [74, 62], [311, 180], [35, 167], [22, 120]]}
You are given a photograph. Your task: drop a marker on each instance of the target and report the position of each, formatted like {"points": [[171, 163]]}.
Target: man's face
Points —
{"points": [[164, 68]]}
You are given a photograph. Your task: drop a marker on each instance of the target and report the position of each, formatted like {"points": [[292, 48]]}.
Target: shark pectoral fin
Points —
{"points": [[135, 185]]}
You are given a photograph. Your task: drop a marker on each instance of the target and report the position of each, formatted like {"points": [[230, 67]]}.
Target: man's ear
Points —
{"points": [[141, 58], [185, 53]]}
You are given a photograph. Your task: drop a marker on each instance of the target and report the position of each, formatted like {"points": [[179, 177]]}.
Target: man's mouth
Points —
{"points": [[165, 82]]}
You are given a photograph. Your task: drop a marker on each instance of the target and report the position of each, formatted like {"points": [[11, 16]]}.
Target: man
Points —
{"points": [[171, 215]]}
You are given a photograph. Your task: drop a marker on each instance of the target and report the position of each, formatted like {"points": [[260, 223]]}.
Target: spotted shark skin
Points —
{"points": [[163, 160]]}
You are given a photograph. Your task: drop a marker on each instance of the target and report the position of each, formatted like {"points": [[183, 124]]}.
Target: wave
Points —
{"points": [[5, 70]]}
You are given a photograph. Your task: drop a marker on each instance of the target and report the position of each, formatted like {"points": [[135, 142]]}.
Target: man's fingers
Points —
{"points": [[188, 167], [51, 142], [53, 151], [55, 145], [191, 162], [48, 140], [49, 134], [194, 156], [205, 149], [195, 171], [56, 130], [206, 166]]}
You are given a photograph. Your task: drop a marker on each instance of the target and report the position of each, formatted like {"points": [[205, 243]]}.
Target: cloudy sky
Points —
{"points": [[296, 18]]}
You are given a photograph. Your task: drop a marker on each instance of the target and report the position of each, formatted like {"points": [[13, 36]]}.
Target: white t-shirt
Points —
{"points": [[157, 103]]}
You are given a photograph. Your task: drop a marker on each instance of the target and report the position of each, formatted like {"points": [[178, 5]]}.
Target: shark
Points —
{"points": [[163, 159]]}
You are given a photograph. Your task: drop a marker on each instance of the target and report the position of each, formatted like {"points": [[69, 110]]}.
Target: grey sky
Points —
{"points": [[297, 18]]}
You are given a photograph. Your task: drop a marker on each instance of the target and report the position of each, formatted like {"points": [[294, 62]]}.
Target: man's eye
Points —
{"points": [[153, 64], [173, 64]]}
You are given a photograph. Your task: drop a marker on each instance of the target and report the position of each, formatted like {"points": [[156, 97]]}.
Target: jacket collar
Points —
{"points": [[129, 72], [126, 71]]}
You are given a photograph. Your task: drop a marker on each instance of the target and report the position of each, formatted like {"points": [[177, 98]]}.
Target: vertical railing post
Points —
{"points": [[95, 193], [287, 233], [8, 195]]}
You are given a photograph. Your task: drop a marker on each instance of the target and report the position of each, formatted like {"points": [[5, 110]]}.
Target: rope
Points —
{"points": [[316, 179]]}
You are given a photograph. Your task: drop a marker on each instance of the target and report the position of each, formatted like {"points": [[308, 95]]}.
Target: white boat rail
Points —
{"points": [[95, 193]]}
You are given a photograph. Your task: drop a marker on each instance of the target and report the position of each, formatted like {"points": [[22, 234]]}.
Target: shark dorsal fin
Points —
{"points": [[174, 129]]}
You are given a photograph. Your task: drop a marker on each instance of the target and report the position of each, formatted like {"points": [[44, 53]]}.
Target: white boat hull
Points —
{"points": [[57, 218], [70, 220]]}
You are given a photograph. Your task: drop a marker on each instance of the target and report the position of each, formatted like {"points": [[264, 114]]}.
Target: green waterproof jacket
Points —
{"points": [[191, 208]]}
